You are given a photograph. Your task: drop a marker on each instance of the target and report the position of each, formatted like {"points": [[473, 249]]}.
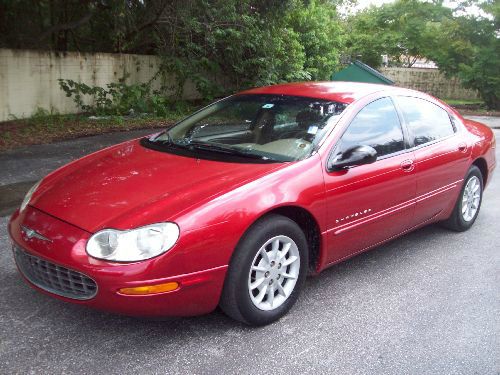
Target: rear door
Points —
{"points": [[441, 156], [370, 203]]}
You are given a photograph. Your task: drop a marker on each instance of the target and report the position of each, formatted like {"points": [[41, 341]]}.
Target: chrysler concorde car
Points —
{"points": [[236, 204]]}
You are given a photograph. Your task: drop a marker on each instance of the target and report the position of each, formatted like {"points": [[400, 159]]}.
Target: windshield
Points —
{"points": [[266, 127]]}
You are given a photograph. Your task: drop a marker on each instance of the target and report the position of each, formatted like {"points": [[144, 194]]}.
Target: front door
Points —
{"points": [[370, 203]]}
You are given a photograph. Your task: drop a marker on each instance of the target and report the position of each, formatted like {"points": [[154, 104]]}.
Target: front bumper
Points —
{"points": [[198, 293]]}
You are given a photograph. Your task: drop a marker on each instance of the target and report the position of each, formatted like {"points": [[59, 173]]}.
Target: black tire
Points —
{"points": [[456, 220], [235, 300]]}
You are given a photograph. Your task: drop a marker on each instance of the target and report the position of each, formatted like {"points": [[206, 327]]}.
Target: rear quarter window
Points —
{"points": [[426, 121]]}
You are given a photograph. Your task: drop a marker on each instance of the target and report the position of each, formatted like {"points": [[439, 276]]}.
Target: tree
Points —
{"points": [[245, 42], [79, 25], [403, 30], [462, 45], [470, 50], [250, 42], [320, 33]]}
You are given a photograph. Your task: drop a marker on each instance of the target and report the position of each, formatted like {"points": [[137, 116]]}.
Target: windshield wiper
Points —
{"points": [[217, 147], [210, 147], [168, 141]]}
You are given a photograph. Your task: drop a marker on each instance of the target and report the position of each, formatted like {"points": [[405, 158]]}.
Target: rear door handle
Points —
{"points": [[462, 147], [407, 165]]}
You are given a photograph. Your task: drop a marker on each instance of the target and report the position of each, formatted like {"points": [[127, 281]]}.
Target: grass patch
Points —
{"points": [[45, 126], [464, 102], [471, 107]]}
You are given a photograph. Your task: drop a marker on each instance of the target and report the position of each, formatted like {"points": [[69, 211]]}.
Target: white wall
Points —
{"points": [[28, 79]]}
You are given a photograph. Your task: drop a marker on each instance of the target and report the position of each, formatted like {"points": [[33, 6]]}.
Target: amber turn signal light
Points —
{"points": [[150, 289]]}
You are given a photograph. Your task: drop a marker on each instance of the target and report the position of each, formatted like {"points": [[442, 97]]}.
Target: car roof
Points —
{"points": [[343, 92]]}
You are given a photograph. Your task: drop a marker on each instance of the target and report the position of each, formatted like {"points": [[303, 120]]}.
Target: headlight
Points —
{"points": [[133, 245], [28, 195]]}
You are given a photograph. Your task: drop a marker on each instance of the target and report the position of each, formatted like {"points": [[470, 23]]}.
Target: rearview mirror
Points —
{"points": [[353, 156]]}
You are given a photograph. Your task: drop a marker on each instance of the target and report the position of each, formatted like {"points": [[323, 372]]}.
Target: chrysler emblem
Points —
{"points": [[31, 233]]}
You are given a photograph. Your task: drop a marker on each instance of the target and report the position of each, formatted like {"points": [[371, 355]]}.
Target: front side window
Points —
{"points": [[426, 121], [266, 127], [376, 125]]}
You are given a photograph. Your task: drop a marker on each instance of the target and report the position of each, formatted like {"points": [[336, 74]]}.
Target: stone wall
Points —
{"points": [[430, 81]]}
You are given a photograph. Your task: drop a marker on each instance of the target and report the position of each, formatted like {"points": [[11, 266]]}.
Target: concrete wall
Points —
{"points": [[430, 81], [28, 79]]}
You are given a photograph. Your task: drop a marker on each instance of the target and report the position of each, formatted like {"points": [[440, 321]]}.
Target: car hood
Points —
{"points": [[128, 185]]}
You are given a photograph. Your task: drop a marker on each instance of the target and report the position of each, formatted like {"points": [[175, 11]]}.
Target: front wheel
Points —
{"points": [[266, 272], [468, 203]]}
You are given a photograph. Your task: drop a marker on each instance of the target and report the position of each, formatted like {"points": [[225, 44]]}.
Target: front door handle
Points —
{"points": [[407, 165]]}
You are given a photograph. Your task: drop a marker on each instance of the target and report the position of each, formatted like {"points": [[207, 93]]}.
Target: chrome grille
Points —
{"points": [[53, 278]]}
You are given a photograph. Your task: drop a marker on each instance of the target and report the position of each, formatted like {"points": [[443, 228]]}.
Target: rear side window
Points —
{"points": [[426, 121], [376, 125]]}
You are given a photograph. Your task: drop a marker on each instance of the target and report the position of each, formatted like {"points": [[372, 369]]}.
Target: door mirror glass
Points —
{"points": [[353, 156]]}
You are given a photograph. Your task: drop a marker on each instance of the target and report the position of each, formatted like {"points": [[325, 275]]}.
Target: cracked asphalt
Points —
{"points": [[426, 303]]}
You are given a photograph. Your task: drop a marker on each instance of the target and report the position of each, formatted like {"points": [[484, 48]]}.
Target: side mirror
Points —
{"points": [[353, 156]]}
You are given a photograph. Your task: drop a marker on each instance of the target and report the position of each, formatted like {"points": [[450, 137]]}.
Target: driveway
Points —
{"points": [[427, 303]]}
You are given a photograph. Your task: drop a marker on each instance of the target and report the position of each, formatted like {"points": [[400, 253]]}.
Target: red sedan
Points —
{"points": [[236, 204]]}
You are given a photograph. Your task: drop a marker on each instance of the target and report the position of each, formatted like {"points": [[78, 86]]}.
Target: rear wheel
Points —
{"points": [[468, 203], [266, 272]]}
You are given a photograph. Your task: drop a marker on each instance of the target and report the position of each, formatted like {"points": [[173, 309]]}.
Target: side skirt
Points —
{"points": [[427, 222]]}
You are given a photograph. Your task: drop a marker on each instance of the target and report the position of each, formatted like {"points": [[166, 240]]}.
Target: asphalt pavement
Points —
{"points": [[426, 303], [492, 122]]}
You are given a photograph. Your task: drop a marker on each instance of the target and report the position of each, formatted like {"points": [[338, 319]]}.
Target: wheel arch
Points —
{"points": [[483, 167], [309, 225]]}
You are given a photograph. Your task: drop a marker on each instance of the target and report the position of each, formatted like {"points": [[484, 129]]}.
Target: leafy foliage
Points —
{"points": [[462, 45], [249, 43], [118, 98], [403, 30], [222, 46], [214, 44], [80, 25], [320, 34], [470, 50]]}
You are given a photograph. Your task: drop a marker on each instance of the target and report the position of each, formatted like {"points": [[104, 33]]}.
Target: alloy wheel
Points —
{"points": [[274, 273], [471, 198]]}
